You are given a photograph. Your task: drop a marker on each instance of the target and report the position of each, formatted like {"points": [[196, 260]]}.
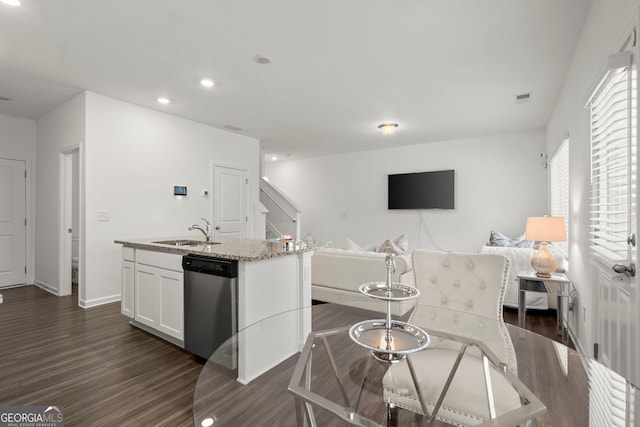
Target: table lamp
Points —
{"points": [[545, 229]]}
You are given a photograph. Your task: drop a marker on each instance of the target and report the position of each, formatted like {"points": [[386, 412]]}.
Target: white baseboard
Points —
{"points": [[576, 342], [99, 301], [46, 287], [14, 286]]}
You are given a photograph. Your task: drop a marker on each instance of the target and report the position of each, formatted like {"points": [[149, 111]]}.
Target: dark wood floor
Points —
{"points": [[102, 370], [92, 362], [542, 322]]}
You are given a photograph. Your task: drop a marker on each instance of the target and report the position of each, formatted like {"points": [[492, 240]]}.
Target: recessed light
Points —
{"points": [[207, 83], [262, 60], [11, 2], [274, 158], [164, 101], [207, 422]]}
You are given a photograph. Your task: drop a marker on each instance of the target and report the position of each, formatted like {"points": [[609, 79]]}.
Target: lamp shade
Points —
{"points": [[546, 229]]}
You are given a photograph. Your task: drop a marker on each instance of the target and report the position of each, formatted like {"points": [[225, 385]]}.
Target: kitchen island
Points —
{"points": [[273, 278]]}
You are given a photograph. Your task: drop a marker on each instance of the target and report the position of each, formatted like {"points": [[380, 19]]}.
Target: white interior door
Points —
{"points": [[13, 241], [614, 225], [230, 201]]}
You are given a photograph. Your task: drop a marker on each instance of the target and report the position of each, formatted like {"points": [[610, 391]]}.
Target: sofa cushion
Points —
{"points": [[351, 245], [348, 269]]}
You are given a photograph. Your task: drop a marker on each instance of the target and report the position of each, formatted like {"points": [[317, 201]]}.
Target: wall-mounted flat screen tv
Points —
{"points": [[422, 190]]}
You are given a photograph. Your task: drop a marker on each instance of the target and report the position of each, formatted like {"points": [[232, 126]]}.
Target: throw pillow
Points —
{"points": [[499, 239], [398, 246]]}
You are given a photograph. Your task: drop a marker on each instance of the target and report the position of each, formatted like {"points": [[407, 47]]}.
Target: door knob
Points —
{"points": [[621, 268], [217, 227]]}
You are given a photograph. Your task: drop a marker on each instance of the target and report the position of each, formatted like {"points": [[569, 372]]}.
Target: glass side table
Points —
{"points": [[529, 282]]}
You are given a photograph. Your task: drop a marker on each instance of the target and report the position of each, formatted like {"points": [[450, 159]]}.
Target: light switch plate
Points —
{"points": [[104, 215]]}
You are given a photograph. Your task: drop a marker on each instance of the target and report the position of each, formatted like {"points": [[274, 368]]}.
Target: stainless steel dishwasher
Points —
{"points": [[210, 308]]}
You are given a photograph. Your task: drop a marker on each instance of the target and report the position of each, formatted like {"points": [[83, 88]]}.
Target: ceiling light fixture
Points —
{"points": [[207, 83], [274, 158], [164, 101], [388, 128], [11, 2]]}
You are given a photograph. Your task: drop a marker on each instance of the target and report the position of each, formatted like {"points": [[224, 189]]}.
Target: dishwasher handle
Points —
{"points": [[209, 265]]}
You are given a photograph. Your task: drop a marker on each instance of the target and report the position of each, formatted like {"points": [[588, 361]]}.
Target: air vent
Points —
{"points": [[4, 98], [523, 97], [233, 128]]}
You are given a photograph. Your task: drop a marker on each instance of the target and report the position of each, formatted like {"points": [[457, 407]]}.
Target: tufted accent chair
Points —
{"points": [[461, 295]]}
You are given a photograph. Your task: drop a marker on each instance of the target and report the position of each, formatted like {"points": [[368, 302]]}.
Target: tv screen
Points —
{"points": [[423, 190]]}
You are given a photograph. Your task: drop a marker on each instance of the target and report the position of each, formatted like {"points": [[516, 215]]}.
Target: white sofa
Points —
{"points": [[336, 275]]}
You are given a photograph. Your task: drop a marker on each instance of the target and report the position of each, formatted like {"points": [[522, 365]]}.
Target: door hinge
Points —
{"points": [[25, 222], [25, 174], [25, 270], [246, 219], [595, 350], [246, 180]]}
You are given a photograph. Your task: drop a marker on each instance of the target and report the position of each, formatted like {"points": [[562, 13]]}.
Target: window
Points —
{"points": [[559, 191], [611, 145]]}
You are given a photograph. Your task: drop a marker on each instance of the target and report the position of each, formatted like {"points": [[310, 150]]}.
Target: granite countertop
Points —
{"points": [[236, 248]]}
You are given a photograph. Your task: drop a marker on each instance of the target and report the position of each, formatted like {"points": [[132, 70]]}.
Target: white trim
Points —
{"points": [[65, 179], [99, 301], [47, 287]]}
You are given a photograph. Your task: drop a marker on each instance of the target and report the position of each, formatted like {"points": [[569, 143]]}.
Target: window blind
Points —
{"points": [[610, 397], [559, 191], [610, 107]]}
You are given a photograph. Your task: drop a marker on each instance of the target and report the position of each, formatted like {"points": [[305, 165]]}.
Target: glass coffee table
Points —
{"points": [[576, 390]]}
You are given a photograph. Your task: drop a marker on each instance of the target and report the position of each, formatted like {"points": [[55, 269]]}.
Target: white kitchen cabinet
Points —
{"points": [[128, 281], [159, 292]]}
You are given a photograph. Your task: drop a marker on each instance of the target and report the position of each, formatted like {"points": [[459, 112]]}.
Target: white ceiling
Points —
{"points": [[442, 69]]}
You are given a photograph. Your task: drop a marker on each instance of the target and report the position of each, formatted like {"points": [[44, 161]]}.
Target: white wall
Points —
{"points": [[604, 30], [500, 180], [18, 142], [58, 130], [133, 158]]}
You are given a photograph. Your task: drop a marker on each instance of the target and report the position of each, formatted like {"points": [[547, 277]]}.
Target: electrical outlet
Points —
{"points": [[104, 215]]}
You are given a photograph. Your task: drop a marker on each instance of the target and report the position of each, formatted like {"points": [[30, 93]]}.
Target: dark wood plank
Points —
{"points": [[542, 322], [92, 362]]}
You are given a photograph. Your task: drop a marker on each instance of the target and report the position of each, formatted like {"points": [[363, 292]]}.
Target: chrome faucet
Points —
{"points": [[206, 231]]}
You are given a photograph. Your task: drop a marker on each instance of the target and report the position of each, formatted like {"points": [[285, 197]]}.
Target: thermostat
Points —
{"points": [[179, 190]]}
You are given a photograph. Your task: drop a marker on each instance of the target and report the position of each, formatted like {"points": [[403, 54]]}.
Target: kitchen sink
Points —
{"points": [[184, 242]]}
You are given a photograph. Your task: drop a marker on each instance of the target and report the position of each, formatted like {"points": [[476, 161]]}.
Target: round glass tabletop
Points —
{"points": [[576, 390]]}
